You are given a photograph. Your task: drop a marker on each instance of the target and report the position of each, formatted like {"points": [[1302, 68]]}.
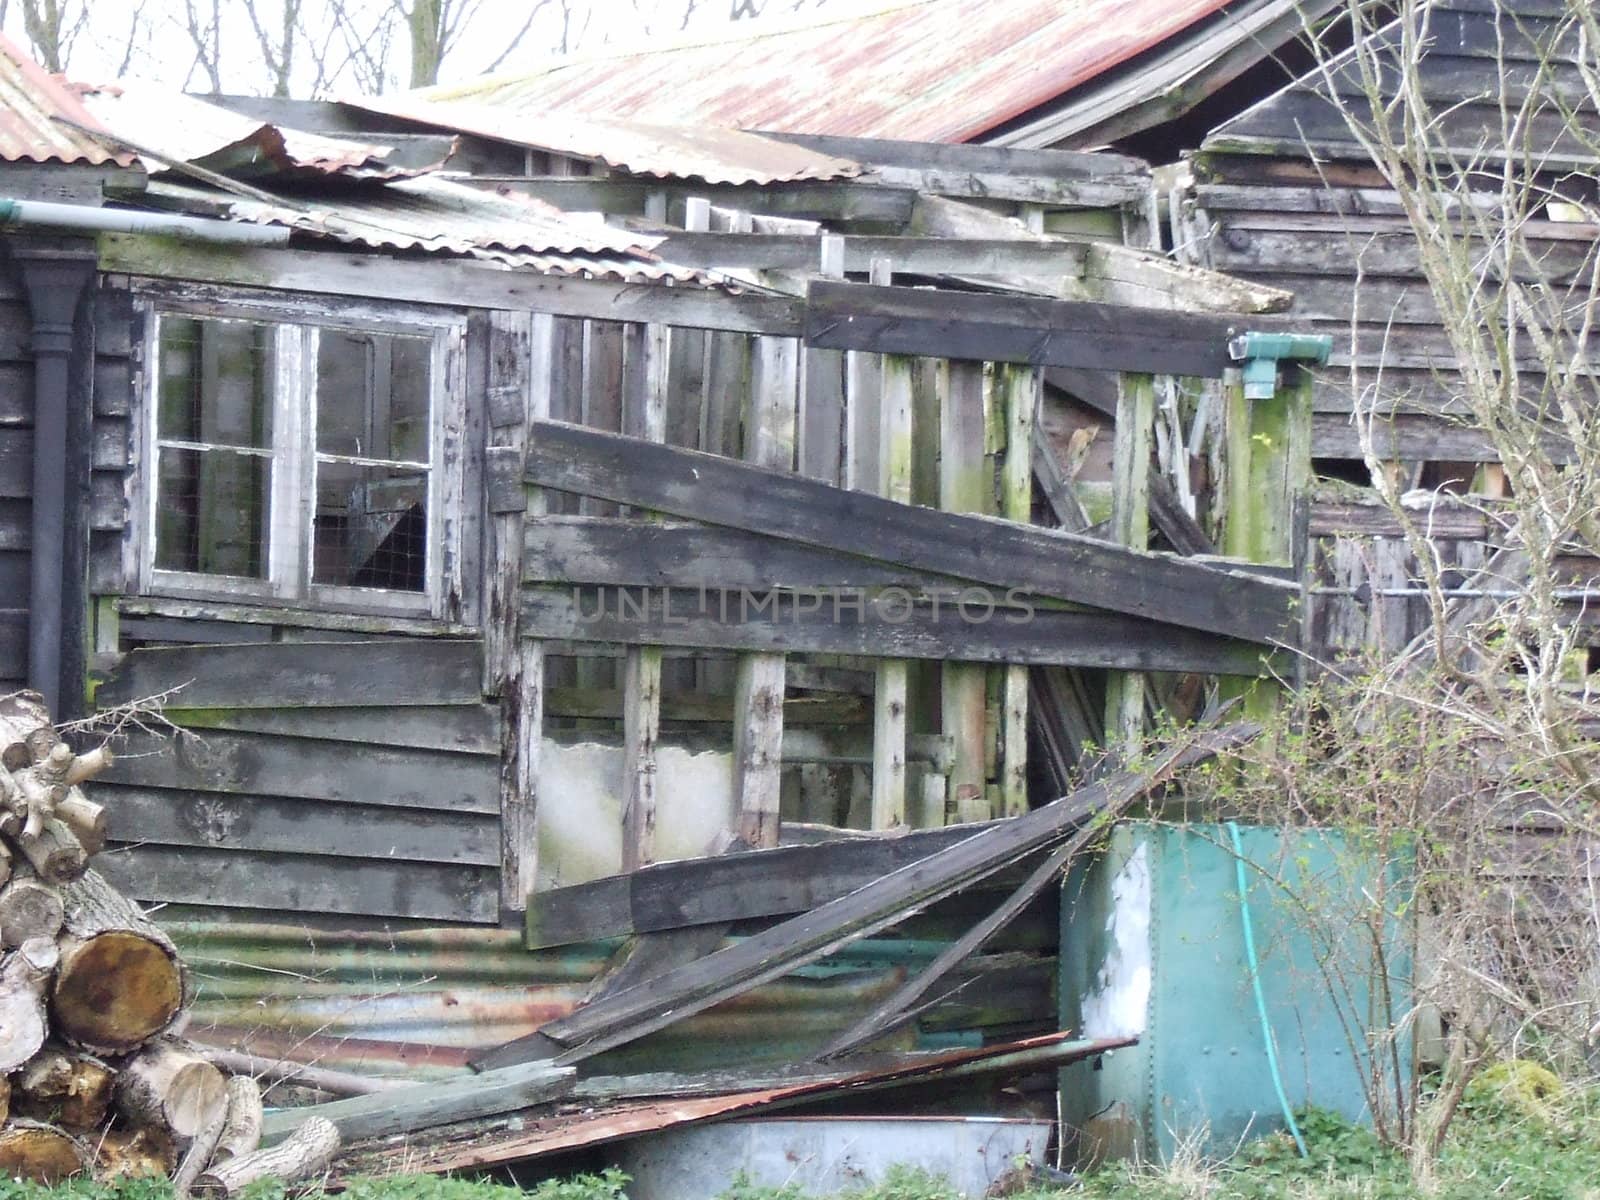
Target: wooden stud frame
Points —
{"points": [[289, 580]]}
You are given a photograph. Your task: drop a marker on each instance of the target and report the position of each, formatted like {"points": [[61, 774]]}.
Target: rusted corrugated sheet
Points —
{"points": [[30, 99], [419, 1002], [703, 152], [548, 1135], [438, 216], [941, 70], [184, 129]]}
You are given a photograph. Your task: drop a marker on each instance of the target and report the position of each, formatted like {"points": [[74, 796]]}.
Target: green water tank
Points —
{"points": [[1153, 946]]}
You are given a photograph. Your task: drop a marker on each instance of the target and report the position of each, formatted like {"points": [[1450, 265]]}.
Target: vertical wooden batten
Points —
{"points": [[964, 486], [892, 675], [521, 375], [647, 355], [1021, 389], [759, 678], [1130, 526]]}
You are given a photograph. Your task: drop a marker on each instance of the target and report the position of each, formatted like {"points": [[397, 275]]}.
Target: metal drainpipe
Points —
{"points": [[55, 281], [45, 214]]}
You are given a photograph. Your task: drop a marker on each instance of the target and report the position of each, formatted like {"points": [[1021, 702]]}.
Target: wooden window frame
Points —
{"points": [[292, 488]]}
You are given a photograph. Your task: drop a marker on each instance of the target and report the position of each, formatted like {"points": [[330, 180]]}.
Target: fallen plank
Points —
{"points": [[283, 1070], [401, 1110], [733, 887], [1003, 554], [898, 1008], [775, 952], [762, 1094]]}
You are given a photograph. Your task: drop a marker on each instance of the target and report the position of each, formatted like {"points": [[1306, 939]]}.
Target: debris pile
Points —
{"points": [[93, 1075]]}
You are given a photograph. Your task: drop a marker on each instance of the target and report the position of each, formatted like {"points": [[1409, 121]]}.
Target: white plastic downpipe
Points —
{"points": [[45, 214]]}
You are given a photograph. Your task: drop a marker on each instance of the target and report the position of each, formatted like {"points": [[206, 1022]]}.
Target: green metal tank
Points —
{"points": [[1153, 945]]}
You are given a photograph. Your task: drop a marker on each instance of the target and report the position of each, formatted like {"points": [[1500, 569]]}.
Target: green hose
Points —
{"points": [[1261, 1000]]}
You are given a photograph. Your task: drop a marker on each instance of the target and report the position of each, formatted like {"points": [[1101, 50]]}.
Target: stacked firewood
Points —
{"points": [[94, 1077]]}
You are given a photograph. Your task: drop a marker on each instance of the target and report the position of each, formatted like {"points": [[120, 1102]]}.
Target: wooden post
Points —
{"points": [[964, 486], [521, 369], [759, 679], [890, 685], [1019, 388], [1268, 468], [647, 354], [1130, 526], [821, 450]]}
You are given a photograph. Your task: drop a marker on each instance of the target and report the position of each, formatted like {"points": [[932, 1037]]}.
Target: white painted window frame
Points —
{"points": [[292, 487]]}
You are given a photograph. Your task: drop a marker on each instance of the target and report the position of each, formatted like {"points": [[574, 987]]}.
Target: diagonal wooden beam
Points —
{"points": [[1001, 554]]}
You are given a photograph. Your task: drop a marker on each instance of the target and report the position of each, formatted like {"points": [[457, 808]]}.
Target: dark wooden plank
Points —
{"points": [[16, 532], [1172, 520], [270, 765], [971, 625], [186, 631], [14, 578], [302, 883], [775, 952], [13, 643], [16, 393], [16, 463], [971, 157], [996, 328], [234, 821], [1438, 521], [462, 728], [731, 887], [649, 554], [310, 674], [1002, 554]]}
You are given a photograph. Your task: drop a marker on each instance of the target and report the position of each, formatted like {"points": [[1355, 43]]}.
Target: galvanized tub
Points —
{"points": [[823, 1156]]}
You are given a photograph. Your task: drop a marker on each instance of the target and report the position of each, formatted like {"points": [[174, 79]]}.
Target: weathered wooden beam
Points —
{"points": [[457, 284], [1002, 554], [770, 424], [405, 1109], [301, 674], [960, 629], [775, 952], [966, 485], [907, 255], [830, 200], [1019, 389], [1038, 332], [685, 893], [1130, 526]]}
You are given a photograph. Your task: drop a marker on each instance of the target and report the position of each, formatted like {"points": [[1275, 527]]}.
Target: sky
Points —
{"points": [[360, 46]]}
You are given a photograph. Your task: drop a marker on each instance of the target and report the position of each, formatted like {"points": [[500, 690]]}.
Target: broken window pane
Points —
{"points": [[212, 511], [371, 526], [372, 395]]}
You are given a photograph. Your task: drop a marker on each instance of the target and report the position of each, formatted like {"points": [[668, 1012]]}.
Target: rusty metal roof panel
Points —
{"points": [[30, 100], [183, 128], [715, 155], [938, 70], [433, 215]]}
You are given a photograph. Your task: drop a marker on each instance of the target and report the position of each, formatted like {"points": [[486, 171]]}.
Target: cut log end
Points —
{"points": [[116, 990], [167, 1086], [131, 1153], [70, 1089], [40, 1153]]}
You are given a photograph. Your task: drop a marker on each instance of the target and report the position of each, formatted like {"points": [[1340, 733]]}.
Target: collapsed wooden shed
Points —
{"points": [[483, 551]]}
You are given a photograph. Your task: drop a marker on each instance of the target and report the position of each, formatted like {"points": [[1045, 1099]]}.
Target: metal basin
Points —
{"points": [[824, 1156]]}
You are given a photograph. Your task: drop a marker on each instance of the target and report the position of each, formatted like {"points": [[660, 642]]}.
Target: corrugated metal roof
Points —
{"points": [[182, 128], [939, 70], [711, 154], [30, 99], [438, 216]]}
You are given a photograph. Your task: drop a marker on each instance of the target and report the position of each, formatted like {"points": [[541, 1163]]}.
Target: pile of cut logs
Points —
{"points": [[94, 1077]]}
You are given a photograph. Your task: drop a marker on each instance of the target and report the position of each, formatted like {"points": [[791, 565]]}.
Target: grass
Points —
{"points": [[1520, 1136]]}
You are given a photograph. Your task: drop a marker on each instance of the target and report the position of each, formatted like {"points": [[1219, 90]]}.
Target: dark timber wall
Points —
{"points": [[16, 477]]}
